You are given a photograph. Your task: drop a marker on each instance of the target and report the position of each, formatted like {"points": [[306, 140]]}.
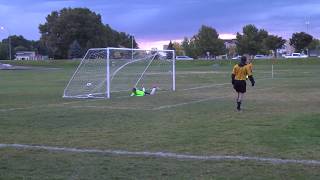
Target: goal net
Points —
{"points": [[106, 71]]}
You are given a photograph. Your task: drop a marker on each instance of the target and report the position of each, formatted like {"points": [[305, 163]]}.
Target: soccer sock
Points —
{"points": [[153, 91], [239, 105]]}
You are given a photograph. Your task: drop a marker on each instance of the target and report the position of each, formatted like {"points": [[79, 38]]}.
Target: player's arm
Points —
{"points": [[233, 75], [252, 80], [250, 76]]}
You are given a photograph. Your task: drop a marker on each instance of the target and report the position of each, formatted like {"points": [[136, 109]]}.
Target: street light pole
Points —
{"points": [[9, 40]]}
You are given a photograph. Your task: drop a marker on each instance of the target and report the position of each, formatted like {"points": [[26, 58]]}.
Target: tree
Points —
{"points": [[190, 48], [207, 40], [4, 51], [178, 48], [251, 40], [170, 47], [315, 44], [273, 43], [300, 41], [75, 50], [17, 43], [39, 47], [185, 45], [20, 48], [63, 27], [125, 40]]}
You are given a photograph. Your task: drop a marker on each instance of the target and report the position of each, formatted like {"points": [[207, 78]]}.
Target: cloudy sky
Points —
{"points": [[154, 22]]}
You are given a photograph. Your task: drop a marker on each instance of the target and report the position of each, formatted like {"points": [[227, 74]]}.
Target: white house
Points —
{"points": [[29, 55], [25, 55]]}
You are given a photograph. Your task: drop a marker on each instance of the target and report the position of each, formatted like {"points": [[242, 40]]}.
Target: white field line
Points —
{"points": [[222, 84], [38, 106], [15, 109], [202, 87], [163, 154], [187, 103], [201, 100], [108, 107]]}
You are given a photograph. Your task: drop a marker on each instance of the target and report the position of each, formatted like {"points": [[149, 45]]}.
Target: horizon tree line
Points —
{"points": [[70, 32]]}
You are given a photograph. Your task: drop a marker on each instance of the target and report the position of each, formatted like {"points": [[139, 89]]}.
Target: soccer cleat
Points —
{"points": [[238, 106], [153, 91]]}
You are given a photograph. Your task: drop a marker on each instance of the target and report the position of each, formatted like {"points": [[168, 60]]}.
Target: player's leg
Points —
{"points": [[239, 101], [241, 89]]}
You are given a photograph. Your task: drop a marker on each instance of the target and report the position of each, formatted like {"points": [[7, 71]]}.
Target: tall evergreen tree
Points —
{"points": [[75, 50]]}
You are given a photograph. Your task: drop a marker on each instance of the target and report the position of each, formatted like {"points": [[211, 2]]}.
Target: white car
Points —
{"points": [[236, 58], [259, 56], [183, 58], [5, 66], [295, 55]]}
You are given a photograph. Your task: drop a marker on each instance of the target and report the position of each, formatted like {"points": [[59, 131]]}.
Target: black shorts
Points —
{"points": [[240, 86]]}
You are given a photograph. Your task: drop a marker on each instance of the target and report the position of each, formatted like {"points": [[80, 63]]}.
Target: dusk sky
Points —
{"points": [[162, 20]]}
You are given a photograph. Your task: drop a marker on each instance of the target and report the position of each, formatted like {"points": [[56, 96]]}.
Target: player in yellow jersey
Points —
{"points": [[239, 73]]}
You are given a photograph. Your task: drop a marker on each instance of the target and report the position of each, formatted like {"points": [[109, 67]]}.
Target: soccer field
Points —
{"points": [[192, 133]]}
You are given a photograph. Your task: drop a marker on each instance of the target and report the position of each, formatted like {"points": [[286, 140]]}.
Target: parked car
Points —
{"points": [[236, 58], [259, 56], [183, 58], [295, 55]]}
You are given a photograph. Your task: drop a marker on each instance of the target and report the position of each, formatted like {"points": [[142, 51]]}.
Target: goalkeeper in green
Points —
{"points": [[143, 92]]}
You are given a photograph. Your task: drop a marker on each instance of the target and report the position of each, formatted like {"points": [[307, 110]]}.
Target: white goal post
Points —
{"points": [[104, 71]]}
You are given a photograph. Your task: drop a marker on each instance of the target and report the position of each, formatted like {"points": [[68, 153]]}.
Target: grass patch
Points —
{"points": [[280, 119]]}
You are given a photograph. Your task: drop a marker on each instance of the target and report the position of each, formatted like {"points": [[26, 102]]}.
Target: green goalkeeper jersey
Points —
{"points": [[138, 93]]}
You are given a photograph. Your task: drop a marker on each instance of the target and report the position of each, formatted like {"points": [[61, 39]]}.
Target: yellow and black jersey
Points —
{"points": [[250, 67], [241, 72]]}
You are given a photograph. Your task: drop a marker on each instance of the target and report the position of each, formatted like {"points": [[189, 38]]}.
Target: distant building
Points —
{"points": [[25, 55], [286, 49], [231, 46], [230, 43], [29, 55]]}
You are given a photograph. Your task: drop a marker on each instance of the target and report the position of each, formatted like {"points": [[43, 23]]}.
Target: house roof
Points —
{"points": [[25, 53]]}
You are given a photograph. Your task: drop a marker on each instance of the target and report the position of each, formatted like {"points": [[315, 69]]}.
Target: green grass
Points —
{"points": [[281, 119]]}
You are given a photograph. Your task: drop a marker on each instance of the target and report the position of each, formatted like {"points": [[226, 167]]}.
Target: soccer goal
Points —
{"points": [[106, 71]]}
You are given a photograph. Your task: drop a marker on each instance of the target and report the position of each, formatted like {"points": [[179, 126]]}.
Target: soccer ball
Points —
{"points": [[88, 84]]}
